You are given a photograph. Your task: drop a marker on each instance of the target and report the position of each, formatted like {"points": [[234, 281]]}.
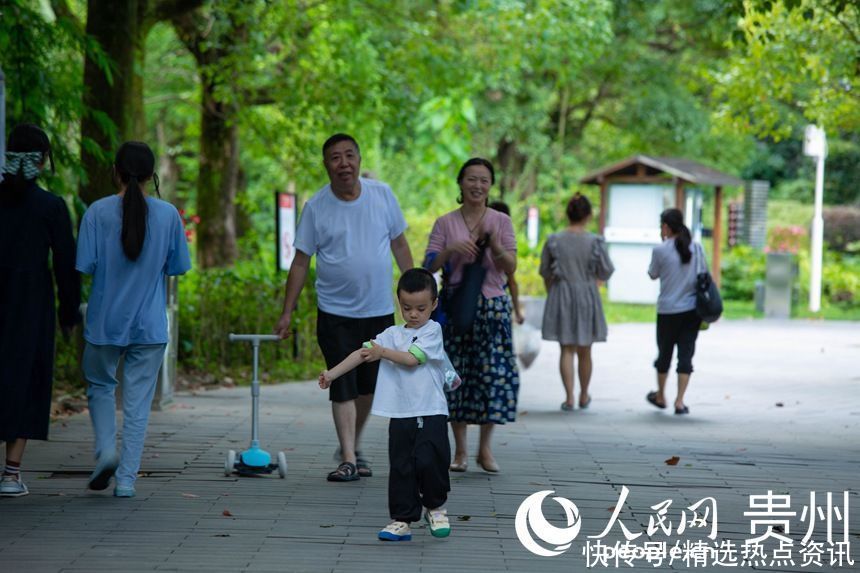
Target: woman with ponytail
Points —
{"points": [[674, 262], [130, 242], [33, 222]]}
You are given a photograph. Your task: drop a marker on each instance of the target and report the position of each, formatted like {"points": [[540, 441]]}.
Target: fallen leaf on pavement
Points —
{"points": [[779, 404], [464, 518], [327, 526], [189, 495], [611, 508], [226, 513], [673, 461]]}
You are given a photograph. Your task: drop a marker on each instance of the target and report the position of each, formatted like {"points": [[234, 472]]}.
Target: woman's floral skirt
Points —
{"points": [[487, 365]]}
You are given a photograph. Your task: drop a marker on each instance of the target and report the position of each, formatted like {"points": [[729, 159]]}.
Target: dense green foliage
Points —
{"points": [[246, 298]]}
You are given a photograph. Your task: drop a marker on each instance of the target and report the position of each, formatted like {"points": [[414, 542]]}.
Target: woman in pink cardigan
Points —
{"points": [[483, 353]]}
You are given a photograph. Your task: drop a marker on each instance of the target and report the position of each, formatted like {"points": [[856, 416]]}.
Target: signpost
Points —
{"points": [[286, 227], [815, 145]]}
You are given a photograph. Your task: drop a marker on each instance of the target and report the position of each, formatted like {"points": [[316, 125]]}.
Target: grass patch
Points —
{"points": [[620, 312]]}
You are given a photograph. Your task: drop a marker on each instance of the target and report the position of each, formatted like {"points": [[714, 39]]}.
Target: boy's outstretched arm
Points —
{"points": [[347, 364], [375, 352]]}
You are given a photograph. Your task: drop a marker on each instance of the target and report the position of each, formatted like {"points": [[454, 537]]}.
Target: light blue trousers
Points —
{"points": [[139, 373]]}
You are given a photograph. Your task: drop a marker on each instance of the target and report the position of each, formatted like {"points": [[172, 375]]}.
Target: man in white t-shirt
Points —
{"points": [[352, 225]]}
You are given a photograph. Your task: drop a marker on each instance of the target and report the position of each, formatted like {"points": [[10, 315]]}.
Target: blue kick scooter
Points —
{"points": [[255, 460]]}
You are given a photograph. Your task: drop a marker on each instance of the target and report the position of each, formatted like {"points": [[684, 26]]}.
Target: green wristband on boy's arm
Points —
{"points": [[368, 344], [418, 354]]}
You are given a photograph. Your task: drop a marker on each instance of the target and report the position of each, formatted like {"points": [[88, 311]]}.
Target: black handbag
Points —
{"points": [[709, 303], [460, 304]]}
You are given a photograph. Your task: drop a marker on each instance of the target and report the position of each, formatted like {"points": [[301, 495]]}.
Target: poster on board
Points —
{"points": [[285, 219]]}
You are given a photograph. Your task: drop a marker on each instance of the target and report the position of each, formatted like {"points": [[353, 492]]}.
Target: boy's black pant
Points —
{"points": [[419, 455]]}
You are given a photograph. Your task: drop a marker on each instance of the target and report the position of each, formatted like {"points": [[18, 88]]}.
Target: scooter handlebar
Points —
{"points": [[253, 337]]}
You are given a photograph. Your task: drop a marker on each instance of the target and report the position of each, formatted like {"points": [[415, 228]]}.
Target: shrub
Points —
{"points": [[841, 227], [244, 299], [740, 268], [840, 279]]}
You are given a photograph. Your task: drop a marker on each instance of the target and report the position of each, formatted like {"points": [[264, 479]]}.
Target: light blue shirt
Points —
{"points": [[352, 243], [127, 304], [677, 280]]}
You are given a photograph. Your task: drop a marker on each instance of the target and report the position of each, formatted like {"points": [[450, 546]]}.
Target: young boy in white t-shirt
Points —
{"points": [[410, 390]]}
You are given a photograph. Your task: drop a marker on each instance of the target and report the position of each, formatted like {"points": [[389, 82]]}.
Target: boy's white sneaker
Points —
{"points": [[437, 520], [12, 486], [396, 531]]}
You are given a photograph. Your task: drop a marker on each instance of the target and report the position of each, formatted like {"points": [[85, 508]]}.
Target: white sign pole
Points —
{"points": [[817, 245], [815, 145]]}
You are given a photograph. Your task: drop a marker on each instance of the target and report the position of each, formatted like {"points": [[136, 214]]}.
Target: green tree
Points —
{"points": [[290, 62], [113, 97], [795, 62], [40, 52]]}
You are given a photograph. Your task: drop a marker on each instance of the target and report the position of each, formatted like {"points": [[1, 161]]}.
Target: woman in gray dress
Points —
{"points": [[572, 262]]}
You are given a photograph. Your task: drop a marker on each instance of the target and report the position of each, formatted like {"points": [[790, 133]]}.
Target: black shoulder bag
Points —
{"points": [[461, 303], [709, 303]]}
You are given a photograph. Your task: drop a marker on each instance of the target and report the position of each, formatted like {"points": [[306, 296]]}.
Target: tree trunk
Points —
{"points": [[117, 26], [217, 182], [511, 165], [218, 177], [120, 27]]}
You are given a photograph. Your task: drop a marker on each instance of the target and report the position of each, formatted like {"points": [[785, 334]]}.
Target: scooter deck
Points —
{"points": [[245, 470]]}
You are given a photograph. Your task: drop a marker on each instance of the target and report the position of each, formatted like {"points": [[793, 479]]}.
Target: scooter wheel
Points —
{"points": [[282, 464], [230, 463]]}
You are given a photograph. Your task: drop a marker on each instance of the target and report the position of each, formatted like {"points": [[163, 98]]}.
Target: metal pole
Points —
{"points": [[255, 397], [817, 246]]}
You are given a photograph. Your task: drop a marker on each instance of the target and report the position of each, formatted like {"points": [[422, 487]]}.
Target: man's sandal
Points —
{"points": [[363, 468], [344, 472]]}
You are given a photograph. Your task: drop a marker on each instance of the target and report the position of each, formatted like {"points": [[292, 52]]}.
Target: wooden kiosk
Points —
{"points": [[633, 192]]}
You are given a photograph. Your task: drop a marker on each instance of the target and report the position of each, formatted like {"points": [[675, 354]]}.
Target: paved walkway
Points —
{"points": [[775, 406]]}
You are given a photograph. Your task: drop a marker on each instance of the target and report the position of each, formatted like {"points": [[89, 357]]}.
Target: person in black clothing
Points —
{"points": [[32, 222]]}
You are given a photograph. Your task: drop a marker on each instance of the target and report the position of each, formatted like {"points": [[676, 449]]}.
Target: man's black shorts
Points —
{"points": [[338, 337]]}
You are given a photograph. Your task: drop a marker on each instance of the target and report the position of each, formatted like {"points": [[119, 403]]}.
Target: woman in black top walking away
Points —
{"points": [[32, 222]]}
